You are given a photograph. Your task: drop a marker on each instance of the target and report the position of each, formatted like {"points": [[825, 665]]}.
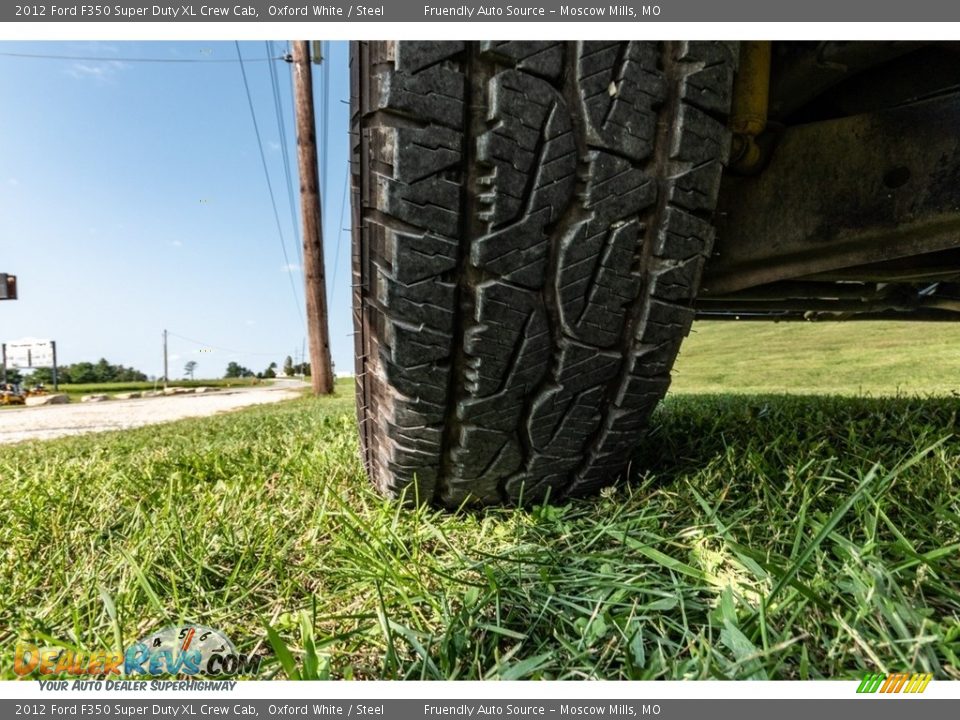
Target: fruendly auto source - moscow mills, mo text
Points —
{"points": [[617, 12]]}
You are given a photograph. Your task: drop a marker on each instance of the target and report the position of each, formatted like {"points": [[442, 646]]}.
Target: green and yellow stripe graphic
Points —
{"points": [[895, 683]]}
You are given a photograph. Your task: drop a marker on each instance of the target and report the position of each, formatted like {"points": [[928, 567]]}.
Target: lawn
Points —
{"points": [[763, 536], [78, 390], [847, 358], [158, 385]]}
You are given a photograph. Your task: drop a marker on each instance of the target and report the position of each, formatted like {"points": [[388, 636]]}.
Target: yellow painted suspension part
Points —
{"points": [[751, 98]]}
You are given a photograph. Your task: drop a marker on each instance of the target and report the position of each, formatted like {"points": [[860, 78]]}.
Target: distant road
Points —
{"points": [[52, 421]]}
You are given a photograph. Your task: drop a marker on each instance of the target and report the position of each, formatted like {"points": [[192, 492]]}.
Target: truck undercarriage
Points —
{"points": [[850, 207]]}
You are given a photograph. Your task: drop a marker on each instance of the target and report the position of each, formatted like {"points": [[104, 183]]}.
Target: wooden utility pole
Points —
{"points": [[321, 373], [53, 350], [165, 376]]}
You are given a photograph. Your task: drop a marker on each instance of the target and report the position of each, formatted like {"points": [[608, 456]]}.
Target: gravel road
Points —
{"points": [[51, 421]]}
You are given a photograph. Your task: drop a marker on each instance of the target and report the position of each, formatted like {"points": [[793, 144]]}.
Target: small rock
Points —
{"points": [[126, 396], [56, 399], [94, 398]]}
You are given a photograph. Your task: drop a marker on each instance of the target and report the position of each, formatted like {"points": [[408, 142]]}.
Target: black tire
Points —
{"points": [[530, 224]]}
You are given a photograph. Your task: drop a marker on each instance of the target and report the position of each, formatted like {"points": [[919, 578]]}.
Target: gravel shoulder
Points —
{"points": [[53, 421]]}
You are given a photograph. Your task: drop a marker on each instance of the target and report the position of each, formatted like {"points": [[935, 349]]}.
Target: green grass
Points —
{"points": [[77, 390], [848, 358], [766, 537]]}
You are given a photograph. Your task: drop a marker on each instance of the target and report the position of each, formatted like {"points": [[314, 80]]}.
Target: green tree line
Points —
{"points": [[87, 372]]}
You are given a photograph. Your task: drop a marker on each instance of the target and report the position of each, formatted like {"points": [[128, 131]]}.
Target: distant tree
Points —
{"points": [[189, 368], [288, 366], [81, 372], [43, 376], [126, 374], [85, 372], [235, 370], [14, 376], [271, 371], [104, 371]]}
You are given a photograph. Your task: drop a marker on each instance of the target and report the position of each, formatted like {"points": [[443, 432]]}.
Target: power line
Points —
{"points": [[293, 92], [266, 174], [221, 349], [284, 149], [38, 56], [325, 107], [284, 146], [340, 228]]}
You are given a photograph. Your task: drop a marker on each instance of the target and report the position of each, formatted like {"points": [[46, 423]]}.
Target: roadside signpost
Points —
{"points": [[30, 353], [8, 291]]}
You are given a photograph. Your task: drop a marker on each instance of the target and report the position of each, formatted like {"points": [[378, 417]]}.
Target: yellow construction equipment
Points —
{"points": [[10, 394]]}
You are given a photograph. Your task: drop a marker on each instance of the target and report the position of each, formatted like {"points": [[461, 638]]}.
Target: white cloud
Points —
{"points": [[12, 181], [101, 70], [251, 323], [94, 47], [176, 243], [274, 145], [290, 267]]}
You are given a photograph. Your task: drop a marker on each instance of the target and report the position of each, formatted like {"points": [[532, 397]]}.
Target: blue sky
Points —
{"points": [[133, 199]]}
